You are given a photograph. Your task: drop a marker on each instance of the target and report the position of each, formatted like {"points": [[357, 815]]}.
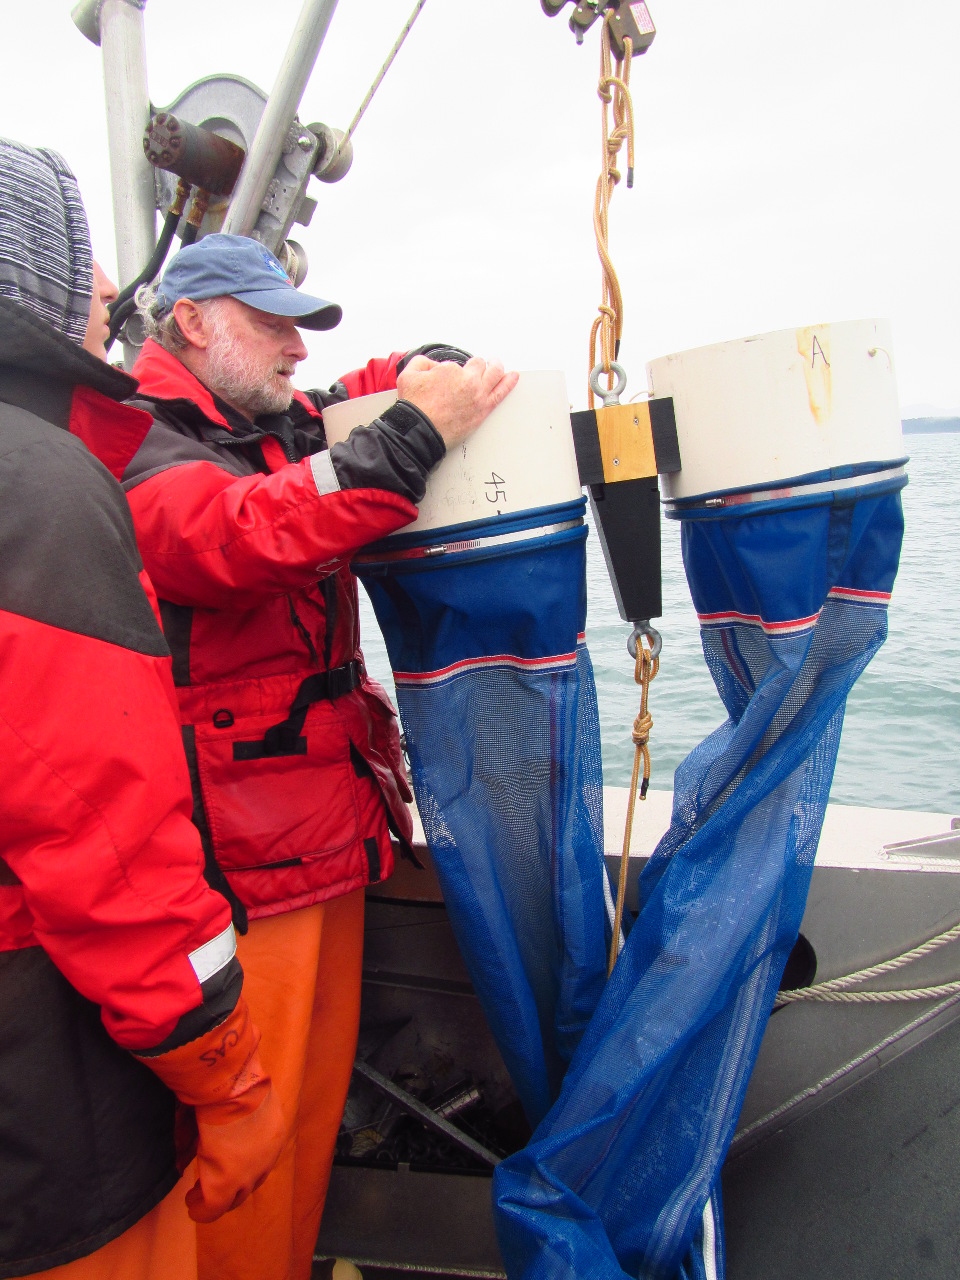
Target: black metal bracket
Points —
{"points": [[621, 449], [628, 18]]}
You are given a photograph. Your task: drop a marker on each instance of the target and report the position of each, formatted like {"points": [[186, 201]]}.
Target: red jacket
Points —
{"points": [[109, 937], [247, 531]]}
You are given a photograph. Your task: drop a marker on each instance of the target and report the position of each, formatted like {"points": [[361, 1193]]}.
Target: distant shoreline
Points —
{"points": [[925, 426]]}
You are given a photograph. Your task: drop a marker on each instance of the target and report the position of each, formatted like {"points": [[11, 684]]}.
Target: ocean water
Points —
{"points": [[901, 739]]}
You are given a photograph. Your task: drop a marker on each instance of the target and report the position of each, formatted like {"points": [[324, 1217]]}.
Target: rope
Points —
{"points": [[835, 989], [646, 668], [869, 997], [614, 91], [383, 71]]}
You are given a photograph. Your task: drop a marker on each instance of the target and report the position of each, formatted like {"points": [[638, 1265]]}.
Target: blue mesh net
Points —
{"points": [[496, 694], [622, 1176]]}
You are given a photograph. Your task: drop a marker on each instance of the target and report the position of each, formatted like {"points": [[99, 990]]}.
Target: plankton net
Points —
{"points": [[482, 605], [791, 580]]}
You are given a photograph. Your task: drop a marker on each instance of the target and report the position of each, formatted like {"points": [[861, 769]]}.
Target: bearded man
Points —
{"points": [[247, 523]]}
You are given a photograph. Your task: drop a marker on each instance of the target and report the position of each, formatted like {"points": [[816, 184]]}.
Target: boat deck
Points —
{"points": [[844, 1162], [867, 1187]]}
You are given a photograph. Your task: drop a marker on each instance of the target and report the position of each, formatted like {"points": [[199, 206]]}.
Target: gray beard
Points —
{"points": [[230, 376]]}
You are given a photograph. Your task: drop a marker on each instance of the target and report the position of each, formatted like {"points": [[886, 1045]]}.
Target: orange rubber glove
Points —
{"points": [[239, 1124]]}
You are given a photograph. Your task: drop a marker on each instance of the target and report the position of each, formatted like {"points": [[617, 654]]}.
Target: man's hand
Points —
{"points": [[239, 1124], [456, 399]]}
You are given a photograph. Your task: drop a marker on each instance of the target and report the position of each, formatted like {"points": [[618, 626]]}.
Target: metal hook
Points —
{"points": [[644, 628], [612, 394]]}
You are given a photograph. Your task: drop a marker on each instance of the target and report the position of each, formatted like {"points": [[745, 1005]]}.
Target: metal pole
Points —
{"points": [[380, 75], [121, 39], [424, 1113], [117, 26], [278, 114]]}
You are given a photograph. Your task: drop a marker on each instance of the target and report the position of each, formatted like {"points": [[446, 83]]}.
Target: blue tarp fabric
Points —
{"points": [[496, 694], [621, 1178]]}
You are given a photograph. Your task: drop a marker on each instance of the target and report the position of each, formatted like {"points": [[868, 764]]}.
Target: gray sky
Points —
{"points": [[795, 164]]}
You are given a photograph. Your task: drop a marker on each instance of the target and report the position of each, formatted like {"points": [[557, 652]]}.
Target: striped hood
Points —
{"points": [[46, 262]]}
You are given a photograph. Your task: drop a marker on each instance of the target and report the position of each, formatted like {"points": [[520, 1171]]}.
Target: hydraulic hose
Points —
{"points": [[125, 304], [120, 313]]}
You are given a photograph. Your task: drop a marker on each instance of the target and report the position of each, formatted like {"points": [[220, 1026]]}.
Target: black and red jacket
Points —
{"points": [[110, 939], [247, 530]]}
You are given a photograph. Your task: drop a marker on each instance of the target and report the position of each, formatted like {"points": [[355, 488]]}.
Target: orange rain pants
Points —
{"points": [[302, 983], [161, 1246]]}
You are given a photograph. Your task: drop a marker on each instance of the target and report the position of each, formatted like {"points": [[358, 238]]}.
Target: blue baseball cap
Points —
{"points": [[225, 266]]}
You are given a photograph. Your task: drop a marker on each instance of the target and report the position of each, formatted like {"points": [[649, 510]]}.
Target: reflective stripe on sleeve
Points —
{"points": [[323, 473], [214, 955]]}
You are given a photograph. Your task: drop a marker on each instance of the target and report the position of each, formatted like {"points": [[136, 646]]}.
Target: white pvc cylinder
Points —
{"points": [[781, 405], [521, 458]]}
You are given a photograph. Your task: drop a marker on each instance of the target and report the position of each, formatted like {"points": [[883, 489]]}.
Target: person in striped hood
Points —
{"points": [[120, 991]]}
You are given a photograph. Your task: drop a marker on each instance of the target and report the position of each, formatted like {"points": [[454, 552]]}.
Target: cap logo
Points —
{"points": [[274, 265]]}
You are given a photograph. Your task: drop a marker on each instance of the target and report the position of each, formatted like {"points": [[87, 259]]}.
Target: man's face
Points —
{"points": [[251, 357], [98, 321]]}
